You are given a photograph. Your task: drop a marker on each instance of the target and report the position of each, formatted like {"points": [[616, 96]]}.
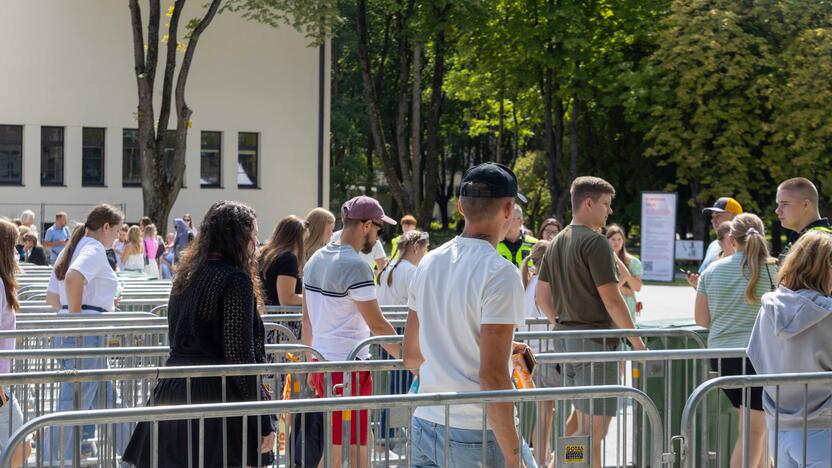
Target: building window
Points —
{"points": [[131, 169], [51, 156], [247, 160], [92, 157], [210, 173], [11, 155]]}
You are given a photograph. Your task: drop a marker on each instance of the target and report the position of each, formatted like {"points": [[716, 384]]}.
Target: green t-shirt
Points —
{"points": [[578, 261], [732, 319]]}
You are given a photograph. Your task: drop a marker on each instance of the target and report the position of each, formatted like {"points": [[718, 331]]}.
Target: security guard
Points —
{"points": [[518, 244], [797, 210]]}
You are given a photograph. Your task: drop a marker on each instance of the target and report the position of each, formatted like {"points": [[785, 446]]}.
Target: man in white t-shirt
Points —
{"points": [[340, 309], [465, 302]]}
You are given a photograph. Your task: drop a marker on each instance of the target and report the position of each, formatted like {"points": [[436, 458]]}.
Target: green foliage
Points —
{"points": [[315, 18], [530, 170]]}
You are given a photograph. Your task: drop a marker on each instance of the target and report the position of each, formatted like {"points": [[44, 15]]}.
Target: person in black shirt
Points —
{"points": [[797, 210], [32, 252], [280, 266], [213, 319]]}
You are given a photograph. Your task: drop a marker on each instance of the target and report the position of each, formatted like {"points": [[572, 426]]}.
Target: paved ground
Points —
{"points": [[667, 303]]}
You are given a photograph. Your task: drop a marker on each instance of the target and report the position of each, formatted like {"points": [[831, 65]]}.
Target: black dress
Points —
{"points": [[213, 321]]}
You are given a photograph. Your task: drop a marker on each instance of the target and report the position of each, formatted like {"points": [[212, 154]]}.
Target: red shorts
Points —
{"points": [[364, 382]]}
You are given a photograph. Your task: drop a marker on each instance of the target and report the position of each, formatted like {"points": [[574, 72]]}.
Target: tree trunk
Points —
{"points": [[373, 109], [573, 156], [434, 145], [416, 125], [402, 101], [501, 127]]}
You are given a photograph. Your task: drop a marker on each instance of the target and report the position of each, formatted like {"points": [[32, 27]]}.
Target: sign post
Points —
{"points": [[658, 235]]}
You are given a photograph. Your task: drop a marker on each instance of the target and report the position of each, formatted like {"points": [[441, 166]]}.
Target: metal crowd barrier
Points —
{"points": [[697, 449], [200, 413]]}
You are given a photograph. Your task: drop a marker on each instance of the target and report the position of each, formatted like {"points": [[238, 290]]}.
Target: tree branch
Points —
{"points": [[167, 82]]}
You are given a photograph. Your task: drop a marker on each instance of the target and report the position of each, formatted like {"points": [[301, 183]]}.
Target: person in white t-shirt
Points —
{"points": [[84, 282], [394, 279], [340, 310], [465, 302]]}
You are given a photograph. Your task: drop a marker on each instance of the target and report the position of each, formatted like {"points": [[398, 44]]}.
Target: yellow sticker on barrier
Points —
{"points": [[346, 415], [574, 454], [636, 373]]}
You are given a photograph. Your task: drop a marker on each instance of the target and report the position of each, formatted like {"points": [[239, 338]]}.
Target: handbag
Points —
{"points": [[146, 259]]}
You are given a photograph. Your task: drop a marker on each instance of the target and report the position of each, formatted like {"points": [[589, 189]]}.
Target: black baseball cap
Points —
{"points": [[490, 180]]}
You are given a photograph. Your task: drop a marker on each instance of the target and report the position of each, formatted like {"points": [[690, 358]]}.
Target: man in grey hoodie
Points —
{"points": [[792, 334]]}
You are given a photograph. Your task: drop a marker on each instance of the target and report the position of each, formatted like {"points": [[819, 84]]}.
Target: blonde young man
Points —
{"points": [[797, 210]]}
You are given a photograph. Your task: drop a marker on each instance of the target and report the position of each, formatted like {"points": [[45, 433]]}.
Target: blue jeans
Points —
{"points": [[465, 448], [91, 395], [790, 448]]}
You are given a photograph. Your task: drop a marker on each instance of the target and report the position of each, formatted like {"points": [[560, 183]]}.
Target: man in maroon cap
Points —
{"points": [[340, 309]]}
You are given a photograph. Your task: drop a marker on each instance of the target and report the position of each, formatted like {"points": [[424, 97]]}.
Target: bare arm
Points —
{"points": [[412, 353], [379, 326], [701, 312], [306, 328], [285, 286], [74, 284], [54, 300], [617, 308], [634, 283], [543, 298], [495, 351]]}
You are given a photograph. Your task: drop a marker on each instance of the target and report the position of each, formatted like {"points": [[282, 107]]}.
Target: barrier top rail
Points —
{"points": [[580, 334], [688, 429], [223, 410], [52, 316], [134, 351], [219, 370], [116, 330]]}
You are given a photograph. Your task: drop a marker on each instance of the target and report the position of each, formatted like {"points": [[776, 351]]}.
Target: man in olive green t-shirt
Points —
{"points": [[578, 290]]}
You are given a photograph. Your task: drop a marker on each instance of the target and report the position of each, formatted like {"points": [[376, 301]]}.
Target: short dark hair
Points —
{"points": [[589, 187], [479, 209]]}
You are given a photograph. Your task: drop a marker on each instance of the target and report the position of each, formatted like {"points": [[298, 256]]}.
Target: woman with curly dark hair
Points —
{"points": [[213, 318]]}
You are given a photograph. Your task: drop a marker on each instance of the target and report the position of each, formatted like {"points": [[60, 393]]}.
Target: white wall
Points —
{"points": [[70, 63]]}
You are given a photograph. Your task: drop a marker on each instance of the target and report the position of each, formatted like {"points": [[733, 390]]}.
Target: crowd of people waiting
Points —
{"points": [[466, 298]]}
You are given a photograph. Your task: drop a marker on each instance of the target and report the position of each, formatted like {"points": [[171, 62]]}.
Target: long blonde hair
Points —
{"points": [[748, 232], [8, 267], [134, 238], [316, 222], [808, 264], [533, 261]]}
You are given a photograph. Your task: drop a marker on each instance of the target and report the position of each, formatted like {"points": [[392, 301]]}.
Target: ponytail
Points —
{"points": [[531, 262], [748, 232], [408, 240], [96, 219]]}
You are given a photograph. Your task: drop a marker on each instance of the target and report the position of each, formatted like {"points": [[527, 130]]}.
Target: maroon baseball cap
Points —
{"points": [[364, 207]]}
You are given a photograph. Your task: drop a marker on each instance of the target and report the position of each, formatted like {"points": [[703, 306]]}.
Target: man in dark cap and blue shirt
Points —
{"points": [[465, 301]]}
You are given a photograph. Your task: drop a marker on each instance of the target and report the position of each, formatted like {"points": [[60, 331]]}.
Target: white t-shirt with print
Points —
{"points": [[370, 258], [396, 294], [334, 278], [100, 281], [457, 288]]}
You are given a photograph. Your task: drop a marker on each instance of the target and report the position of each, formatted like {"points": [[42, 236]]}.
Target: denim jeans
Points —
{"points": [[465, 448], [91, 395], [790, 448]]}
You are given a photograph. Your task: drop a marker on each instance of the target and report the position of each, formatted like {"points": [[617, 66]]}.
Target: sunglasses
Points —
{"points": [[380, 226]]}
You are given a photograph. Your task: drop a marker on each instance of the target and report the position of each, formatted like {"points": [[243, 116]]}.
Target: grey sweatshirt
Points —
{"points": [[793, 333]]}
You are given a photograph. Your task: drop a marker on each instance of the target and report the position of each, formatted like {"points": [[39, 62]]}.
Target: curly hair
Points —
{"points": [[226, 232]]}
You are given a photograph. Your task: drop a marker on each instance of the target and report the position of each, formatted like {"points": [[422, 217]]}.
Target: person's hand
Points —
{"points": [[268, 443], [518, 348], [623, 271], [693, 280], [514, 462], [638, 344]]}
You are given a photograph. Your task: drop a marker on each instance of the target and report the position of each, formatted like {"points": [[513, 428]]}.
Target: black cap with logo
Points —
{"points": [[490, 180]]}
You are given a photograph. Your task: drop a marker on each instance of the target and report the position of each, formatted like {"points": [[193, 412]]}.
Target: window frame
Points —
{"points": [[19, 182], [44, 129], [240, 149], [103, 147], [202, 149], [124, 182]]}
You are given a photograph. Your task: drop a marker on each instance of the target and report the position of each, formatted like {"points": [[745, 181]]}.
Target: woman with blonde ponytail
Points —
{"points": [[394, 279], [84, 282], [727, 302]]}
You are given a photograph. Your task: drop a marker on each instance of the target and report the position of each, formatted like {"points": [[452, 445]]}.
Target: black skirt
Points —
{"points": [[173, 442]]}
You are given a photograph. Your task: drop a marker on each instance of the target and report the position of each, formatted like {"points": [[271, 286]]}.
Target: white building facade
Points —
{"points": [[260, 124]]}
